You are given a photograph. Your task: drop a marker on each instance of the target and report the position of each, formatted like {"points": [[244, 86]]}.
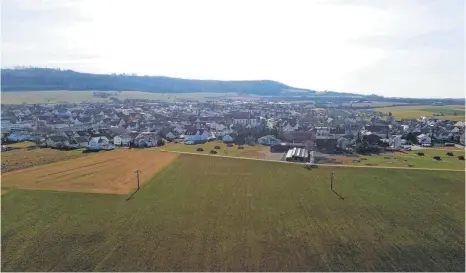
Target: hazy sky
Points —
{"points": [[409, 48]]}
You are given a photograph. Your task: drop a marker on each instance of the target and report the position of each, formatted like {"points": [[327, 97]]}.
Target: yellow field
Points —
{"points": [[424, 111], [103, 172], [30, 97]]}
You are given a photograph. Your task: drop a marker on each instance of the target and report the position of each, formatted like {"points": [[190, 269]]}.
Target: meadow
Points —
{"points": [[22, 157], [31, 97], [411, 111], [410, 159], [257, 151], [216, 214]]}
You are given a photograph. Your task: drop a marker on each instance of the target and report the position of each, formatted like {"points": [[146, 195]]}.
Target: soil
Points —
{"points": [[106, 172]]}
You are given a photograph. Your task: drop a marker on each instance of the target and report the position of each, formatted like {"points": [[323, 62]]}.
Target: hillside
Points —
{"points": [[25, 79]]}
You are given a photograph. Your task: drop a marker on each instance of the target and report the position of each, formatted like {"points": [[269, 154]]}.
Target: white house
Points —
{"points": [[97, 143], [56, 141], [197, 135], [397, 142], [245, 119], [322, 132], [423, 139], [146, 139], [82, 141], [122, 140]]}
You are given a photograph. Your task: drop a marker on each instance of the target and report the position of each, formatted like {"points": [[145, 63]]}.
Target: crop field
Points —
{"points": [[22, 157], [258, 151], [216, 214], [30, 97], [411, 159], [427, 111], [103, 172]]}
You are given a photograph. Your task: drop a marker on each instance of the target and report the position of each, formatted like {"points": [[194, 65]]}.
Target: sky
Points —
{"points": [[396, 48]]}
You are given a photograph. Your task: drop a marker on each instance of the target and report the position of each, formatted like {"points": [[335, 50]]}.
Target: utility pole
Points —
{"points": [[331, 182], [137, 175]]}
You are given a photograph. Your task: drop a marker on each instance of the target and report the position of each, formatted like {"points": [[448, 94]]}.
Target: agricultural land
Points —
{"points": [[24, 155], [205, 213], [257, 151], [442, 112], [103, 172]]}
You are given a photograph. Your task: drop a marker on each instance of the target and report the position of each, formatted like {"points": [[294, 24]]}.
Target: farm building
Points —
{"points": [[284, 147], [297, 154]]}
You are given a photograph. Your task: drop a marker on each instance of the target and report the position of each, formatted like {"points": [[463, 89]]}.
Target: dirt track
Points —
{"points": [[105, 172], [325, 165]]}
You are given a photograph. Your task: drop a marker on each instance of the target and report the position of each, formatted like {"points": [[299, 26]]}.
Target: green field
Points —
{"points": [[217, 214], [417, 111], [30, 97], [398, 159]]}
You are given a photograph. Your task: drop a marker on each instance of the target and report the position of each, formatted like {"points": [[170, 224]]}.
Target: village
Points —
{"points": [[283, 126]]}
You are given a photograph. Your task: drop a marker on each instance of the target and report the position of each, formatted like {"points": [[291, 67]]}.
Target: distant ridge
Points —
{"points": [[37, 79]]}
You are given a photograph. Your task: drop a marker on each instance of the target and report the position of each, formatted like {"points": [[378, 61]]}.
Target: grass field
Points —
{"points": [[103, 172], [257, 151], [216, 214], [425, 110], [23, 158], [398, 159], [30, 97]]}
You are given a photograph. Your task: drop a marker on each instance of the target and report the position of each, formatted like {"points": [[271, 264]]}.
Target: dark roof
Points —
{"points": [[241, 115], [301, 136], [58, 138], [85, 119], [81, 139]]}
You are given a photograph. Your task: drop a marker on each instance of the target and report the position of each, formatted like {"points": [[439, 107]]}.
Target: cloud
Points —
{"points": [[354, 46]]}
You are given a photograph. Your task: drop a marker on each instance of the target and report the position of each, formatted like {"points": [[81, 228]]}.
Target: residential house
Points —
{"points": [[197, 135], [83, 141], [245, 119], [98, 143], [56, 141], [146, 139], [229, 138], [423, 139], [268, 140], [122, 140]]}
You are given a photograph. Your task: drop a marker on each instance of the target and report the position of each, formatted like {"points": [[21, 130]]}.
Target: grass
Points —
{"points": [[217, 214], [418, 111], [258, 151], [398, 159], [22, 145], [30, 97], [23, 158]]}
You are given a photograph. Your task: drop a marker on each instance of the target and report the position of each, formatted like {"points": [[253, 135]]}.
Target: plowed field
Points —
{"points": [[105, 172]]}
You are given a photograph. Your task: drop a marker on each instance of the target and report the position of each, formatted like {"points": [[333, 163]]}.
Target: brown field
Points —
{"points": [[104, 172], [23, 158]]}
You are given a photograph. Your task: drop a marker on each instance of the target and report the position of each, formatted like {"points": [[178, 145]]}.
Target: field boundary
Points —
{"points": [[323, 165]]}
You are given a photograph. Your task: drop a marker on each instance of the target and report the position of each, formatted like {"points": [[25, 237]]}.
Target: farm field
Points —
{"points": [[398, 159], [30, 97], [257, 151], [425, 110], [21, 157], [103, 172], [216, 214]]}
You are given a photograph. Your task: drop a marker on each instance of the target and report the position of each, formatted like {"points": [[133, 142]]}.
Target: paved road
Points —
{"points": [[324, 165]]}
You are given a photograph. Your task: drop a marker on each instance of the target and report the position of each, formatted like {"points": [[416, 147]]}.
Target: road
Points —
{"points": [[323, 165]]}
